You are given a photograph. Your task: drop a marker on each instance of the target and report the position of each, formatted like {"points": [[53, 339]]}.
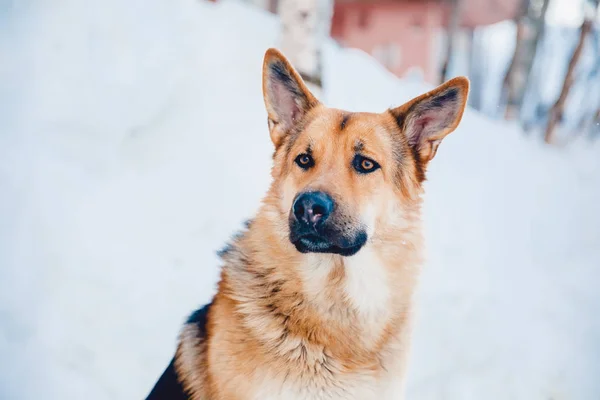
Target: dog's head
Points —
{"points": [[342, 176]]}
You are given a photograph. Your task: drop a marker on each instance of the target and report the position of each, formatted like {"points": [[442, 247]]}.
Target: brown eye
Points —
{"points": [[364, 165], [305, 161]]}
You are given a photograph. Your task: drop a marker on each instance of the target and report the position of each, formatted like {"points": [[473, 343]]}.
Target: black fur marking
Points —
{"points": [[282, 74], [418, 164], [434, 102], [225, 250], [441, 100], [400, 118], [236, 236], [199, 319], [279, 72], [446, 97], [168, 386], [359, 146], [345, 119]]}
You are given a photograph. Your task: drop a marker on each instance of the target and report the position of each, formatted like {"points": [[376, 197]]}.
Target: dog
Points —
{"points": [[315, 297]]}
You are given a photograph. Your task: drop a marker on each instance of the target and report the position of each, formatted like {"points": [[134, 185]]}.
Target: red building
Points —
{"points": [[405, 34]]}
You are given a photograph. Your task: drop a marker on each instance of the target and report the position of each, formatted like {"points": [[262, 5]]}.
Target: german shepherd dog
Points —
{"points": [[316, 294]]}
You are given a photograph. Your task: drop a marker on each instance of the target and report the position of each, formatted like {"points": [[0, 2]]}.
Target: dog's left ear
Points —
{"points": [[427, 119], [287, 98]]}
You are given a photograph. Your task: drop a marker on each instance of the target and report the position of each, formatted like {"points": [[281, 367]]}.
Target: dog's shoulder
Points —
{"points": [[179, 378]]}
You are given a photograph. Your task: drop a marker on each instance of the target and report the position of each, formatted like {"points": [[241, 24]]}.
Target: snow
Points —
{"points": [[133, 143]]}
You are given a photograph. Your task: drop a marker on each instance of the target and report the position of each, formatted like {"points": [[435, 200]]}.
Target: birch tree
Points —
{"points": [[453, 26], [305, 24], [530, 29], [557, 110], [510, 78]]}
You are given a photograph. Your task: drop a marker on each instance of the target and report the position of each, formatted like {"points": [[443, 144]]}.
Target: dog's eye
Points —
{"points": [[364, 165], [305, 161], [367, 164]]}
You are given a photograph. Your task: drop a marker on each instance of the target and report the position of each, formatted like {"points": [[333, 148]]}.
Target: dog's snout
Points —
{"points": [[313, 208]]}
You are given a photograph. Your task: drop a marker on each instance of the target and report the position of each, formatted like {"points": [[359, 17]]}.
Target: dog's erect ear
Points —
{"points": [[427, 119], [286, 97]]}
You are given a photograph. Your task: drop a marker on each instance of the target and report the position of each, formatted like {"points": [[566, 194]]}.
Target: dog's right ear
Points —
{"points": [[287, 98]]}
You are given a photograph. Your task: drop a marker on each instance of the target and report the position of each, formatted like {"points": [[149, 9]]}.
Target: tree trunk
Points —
{"points": [[596, 125], [530, 29], [453, 24], [477, 67], [305, 25], [557, 109], [590, 122], [509, 84]]}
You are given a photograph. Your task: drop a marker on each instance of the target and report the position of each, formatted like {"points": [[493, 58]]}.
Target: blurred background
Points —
{"points": [[133, 143]]}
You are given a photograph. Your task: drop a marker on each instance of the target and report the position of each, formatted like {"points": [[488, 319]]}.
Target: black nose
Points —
{"points": [[313, 208]]}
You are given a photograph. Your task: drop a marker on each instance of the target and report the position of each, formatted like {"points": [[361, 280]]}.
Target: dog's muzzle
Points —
{"points": [[313, 227]]}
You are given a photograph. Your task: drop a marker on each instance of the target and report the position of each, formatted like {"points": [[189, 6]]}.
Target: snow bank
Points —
{"points": [[133, 142]]}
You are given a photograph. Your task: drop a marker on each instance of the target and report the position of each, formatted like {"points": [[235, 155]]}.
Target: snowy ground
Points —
{"points": [[133, 142]]}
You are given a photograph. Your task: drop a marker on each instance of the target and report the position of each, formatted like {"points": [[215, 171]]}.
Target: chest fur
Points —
{"points": [[313, 374], [355, 386], [345, 338]]}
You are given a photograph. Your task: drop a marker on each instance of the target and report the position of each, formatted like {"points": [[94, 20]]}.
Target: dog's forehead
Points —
{"points": [[346, 124]]}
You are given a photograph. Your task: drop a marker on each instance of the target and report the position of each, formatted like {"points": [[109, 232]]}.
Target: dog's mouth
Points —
{"points": [[313, 243], [318, 226]]}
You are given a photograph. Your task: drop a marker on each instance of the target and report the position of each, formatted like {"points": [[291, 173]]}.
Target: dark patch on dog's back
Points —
{"points": [[234, 239], [199, 319], [225, 250], [168, 386], [229, 246]]}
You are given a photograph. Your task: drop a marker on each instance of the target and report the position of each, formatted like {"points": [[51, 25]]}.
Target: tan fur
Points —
{"points": [[288, 325]]}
